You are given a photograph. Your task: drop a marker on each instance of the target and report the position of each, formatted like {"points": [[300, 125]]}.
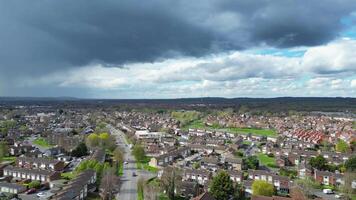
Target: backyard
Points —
{"points": [[266, 160]]}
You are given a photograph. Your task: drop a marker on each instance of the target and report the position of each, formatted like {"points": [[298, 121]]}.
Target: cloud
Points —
{"points": [[226, 74]]}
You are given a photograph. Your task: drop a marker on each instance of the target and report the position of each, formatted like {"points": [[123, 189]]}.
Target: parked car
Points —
{"points": [[41, 194], [134, 174], [31, 191], [328, 191]]}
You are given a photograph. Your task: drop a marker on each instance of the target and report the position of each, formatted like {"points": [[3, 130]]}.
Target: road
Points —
{"points": [[128, 188]]}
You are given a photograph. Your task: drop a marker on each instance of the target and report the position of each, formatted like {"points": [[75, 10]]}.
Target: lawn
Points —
{"points": [[42, 142], [120, 169], [9, 158], [144, 165], [68, 175], [266, 160]]}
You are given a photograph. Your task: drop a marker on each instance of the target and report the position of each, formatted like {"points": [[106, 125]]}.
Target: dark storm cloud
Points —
{"points": [[39, 37]]}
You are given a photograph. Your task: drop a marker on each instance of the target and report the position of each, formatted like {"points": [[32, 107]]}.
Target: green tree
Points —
{"points": [[222, 186], [319, 162], [34, 184], [139, 153], [350, 164], [263, 188], [3, 150], [342, 146], [93, 140], [251, 162], [80, 150]]}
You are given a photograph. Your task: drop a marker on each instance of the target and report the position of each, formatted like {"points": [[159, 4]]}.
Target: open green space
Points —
{"points": [[42, 142], [144, 165], [199, 124], [266, 160]]}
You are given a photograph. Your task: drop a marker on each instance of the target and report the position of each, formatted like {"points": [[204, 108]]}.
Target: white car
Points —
{"points": [[126, 163], [41, 194]]}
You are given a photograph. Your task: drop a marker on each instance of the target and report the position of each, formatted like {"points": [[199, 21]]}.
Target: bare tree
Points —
{"points": [[347, 188], [150, 192], [171, 179], [110, 184]]}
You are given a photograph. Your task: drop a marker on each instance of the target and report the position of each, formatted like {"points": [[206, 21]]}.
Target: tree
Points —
{"points": [[80, 150], [150, 192], [319, 162], [342, 146], [263, 188], [139, 153], [34, 184], [306, 186], [93, 140], [3, 150], [118, 155], [251, 162], [222, 186], [350, 164], [170, 181], [347, 188], [108, 184]]}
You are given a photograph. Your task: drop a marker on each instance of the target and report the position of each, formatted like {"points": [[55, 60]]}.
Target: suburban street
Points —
{"points": [[128, 188]]}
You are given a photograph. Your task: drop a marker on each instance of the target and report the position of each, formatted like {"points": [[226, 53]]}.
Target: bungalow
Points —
{"points": [[12, 188], [33, 174]]}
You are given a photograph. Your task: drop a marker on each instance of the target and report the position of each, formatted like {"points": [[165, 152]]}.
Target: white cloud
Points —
{"points": [[331, 68]]}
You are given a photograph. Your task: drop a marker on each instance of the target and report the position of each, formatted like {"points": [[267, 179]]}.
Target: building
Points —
{"points": [[328, 178], [40, 163], [32, 174], [167, 158], [199, 175], [12, 188], [78, 187]]}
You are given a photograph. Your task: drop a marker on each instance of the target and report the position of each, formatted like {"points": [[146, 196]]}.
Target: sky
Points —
{"points": [[131, 49]]}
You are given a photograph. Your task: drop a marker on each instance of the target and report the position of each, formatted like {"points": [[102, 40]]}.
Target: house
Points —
{"points": [[32, 174], [20, 149], [12, 188], [281, 183], [188, 189], [167, 158], [257, 197], [78, 187], [304, 171], [199, 175], [40, 163], [328, 178], [236, 176], [204, 196], [233, 163], [210, 163]]}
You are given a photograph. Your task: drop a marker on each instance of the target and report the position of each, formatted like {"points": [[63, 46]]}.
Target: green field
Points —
{"points": [[266, 160], [199, 124], [42, 142]]}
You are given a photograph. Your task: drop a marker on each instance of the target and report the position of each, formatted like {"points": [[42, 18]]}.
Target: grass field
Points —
{"points": [[266, 160], [198, 124], [42, 142]]}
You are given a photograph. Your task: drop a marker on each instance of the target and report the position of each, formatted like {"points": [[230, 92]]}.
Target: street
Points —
{"points": [[128, 188]]}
